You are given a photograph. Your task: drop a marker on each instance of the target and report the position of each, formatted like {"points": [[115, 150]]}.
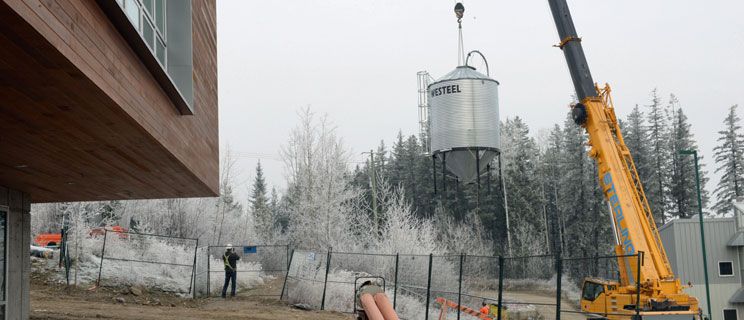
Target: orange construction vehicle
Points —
{"points": [[48, 239]]}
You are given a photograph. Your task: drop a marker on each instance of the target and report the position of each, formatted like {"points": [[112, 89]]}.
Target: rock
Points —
{"points": [[173, 305], [120, 300], [136, 290], [302, 306]]}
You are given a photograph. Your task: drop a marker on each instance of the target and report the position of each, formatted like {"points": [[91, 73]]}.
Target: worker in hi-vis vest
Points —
{"points": [[484, 309], [230, 259]]}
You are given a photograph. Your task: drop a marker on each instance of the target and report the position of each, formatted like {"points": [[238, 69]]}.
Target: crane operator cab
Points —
{"points": [[594, 295], [605, 299]]}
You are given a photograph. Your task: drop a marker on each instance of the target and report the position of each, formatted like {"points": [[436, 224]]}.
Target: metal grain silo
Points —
{"points": [[464, 121]]}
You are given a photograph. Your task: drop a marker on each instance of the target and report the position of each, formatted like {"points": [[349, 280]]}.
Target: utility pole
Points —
{"points": [[702, 230], [372, 171]]}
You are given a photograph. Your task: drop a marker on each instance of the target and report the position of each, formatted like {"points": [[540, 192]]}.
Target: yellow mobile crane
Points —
{"points": [[658, 294]]}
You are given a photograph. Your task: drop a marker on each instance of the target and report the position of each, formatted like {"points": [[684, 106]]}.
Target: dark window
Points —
{"points": [[729, 314], [725, 268], [592, 291], [3, 246]]}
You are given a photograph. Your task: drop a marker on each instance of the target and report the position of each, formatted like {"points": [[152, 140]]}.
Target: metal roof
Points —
{"points": [[737, 240], [738, 297], [463, 72]]}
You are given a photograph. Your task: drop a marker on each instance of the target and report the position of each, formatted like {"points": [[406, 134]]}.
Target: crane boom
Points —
{"points": [[634, 225], [571, 46]]}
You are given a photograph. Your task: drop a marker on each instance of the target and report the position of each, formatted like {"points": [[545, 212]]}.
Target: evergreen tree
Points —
{"points": [[637, 140], [550, 167], [397, 168], [683, 189], [274, 208], [520, 174], [657, 183], [575, 207], [260, 206], [729, 157], [381, 157]]}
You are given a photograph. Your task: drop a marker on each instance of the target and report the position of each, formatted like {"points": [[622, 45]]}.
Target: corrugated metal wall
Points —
{"points": [[682, 243]]}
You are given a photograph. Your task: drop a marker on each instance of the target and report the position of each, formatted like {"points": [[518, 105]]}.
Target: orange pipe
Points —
{"points": [[383, 303], [370, 307]]}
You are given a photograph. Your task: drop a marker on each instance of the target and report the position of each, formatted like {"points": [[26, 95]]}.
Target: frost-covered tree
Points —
{"points": [[729, 157], [262, 213], [550, 168], [520, 154], [683, 189], [321, 198], [635, 134], [576, 169], [657, 183]]}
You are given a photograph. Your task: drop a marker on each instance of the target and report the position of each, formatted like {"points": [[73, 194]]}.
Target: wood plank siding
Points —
{"points": [[82, 118]]}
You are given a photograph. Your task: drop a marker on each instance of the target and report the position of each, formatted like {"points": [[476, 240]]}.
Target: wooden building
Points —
{"points": [[101, 100]]}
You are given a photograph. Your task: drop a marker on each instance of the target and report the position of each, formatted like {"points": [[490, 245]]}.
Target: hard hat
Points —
{"points": [[229, 247]]}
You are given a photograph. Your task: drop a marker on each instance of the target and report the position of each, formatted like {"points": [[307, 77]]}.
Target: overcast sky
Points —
{"points": [[356, 61]]}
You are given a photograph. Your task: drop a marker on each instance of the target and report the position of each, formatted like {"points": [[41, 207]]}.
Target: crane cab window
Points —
{"points": [[592, 291]]}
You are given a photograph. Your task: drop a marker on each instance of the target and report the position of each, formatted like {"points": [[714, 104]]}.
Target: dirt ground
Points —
{"points": [[546, 311], [51, 301], [544, 303]]}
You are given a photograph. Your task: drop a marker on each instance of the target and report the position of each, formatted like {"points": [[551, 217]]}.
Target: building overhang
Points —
{"points": [[65, 135]]}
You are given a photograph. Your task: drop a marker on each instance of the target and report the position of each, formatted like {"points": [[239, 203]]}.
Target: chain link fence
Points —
{"points": [[306, 279], [201, 272], [260, 270], [433, 286], [164, 262]]}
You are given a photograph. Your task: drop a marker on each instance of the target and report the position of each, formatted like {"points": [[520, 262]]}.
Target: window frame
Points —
{"points": [[595, 293], [147, 18], [5, 210], [173, 73], [723, 313], [726, 275]]}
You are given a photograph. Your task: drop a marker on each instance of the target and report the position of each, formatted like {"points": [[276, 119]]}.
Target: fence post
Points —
{"points": [[395, 283], [559, 275], [209, 272], [288, 257], [459, 286], [62, 248], [289, 265], [325, 282], [639, 262], [103, 253], [501, 284], [192, 284], [428, 286]]}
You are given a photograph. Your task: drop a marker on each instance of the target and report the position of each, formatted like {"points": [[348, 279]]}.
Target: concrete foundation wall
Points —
{"points": [[18, 261]]}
